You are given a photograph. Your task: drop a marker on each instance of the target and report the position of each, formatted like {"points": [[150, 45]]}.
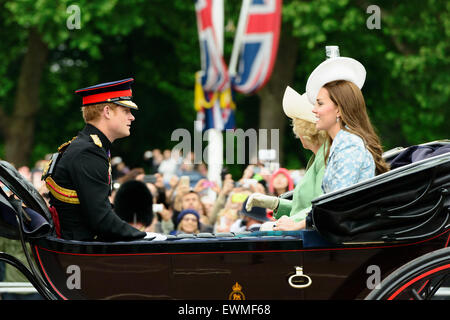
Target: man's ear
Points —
{"points": [[107, 111]]}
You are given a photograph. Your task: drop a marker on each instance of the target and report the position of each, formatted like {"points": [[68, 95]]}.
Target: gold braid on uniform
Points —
{"points": [[60, 193]]}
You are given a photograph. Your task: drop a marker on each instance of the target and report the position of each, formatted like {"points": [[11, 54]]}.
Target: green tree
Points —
{"points": [[406, 88], [43, 60]]}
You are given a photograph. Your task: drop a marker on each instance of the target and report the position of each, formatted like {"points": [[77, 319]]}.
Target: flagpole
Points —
{"points": [[214, 135], [217, 21], [242, 24]]}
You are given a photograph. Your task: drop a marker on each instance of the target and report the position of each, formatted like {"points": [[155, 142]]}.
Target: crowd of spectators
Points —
{"points": [[185, 201]]}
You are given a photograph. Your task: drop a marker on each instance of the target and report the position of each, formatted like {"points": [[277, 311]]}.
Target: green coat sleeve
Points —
{"points": [[309, 188]]}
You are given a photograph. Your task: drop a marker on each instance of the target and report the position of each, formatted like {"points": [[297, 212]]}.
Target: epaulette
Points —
{"points": [[62, 147], [50, 165], [96, 140]]}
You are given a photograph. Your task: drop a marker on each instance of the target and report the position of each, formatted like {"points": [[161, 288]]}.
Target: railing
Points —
{"points": [[17, 287]]}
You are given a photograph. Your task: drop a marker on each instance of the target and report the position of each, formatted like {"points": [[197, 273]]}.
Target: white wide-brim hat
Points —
{"points": [[297, 106], [338, 68]]}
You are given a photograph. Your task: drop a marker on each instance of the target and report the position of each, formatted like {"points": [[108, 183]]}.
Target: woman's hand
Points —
{"points": [[286, 223]]}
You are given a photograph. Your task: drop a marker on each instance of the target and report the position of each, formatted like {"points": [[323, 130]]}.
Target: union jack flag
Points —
{"points": [[215, 73], [259, 45], [214, 109]]}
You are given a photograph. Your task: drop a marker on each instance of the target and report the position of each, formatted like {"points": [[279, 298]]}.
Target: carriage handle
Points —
{"points": [[299, 273]]}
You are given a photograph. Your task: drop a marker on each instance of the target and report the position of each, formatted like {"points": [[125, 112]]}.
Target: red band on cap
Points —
{"points": [[101, 97]]}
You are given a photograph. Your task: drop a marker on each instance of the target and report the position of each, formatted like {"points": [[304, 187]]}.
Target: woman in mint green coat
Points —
{"points": [[291, 213], [310, 186]]}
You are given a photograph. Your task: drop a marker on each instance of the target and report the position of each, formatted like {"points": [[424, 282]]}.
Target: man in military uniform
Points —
{"points": [[80, 179]]}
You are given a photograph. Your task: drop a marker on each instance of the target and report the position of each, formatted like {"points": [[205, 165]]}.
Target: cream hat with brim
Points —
{"points": [[297, 106], [338, 68]]}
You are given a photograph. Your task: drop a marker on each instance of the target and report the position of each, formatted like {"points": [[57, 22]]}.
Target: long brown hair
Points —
{"points": [[354, 119]]}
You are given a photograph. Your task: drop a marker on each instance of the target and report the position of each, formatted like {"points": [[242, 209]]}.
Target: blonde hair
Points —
{"points": [[350, 101], [92, 112], [308, 131], [232, 214]]}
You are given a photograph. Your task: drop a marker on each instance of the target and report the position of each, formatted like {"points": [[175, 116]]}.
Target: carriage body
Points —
{"points": [[361, 235], [260, 265]]}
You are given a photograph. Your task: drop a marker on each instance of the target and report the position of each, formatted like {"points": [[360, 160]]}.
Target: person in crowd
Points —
{"points": [[225, 220], [191, 200], [280, 182], [152, 159], [169, 165], [188, 221], [251, 219], [133, 203], [189, 168], [25, 172], [208, 203], [222, 197], [119, 168], [133, 174], [81, 183], [162, 223], [233, 194], [187, 198]]}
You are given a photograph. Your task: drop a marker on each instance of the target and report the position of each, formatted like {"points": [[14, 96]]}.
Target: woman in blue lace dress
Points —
{"points": [[355, 153]]}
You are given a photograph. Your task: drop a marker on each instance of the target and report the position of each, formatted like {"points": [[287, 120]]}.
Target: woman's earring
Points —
{"points": [[337, 119]]}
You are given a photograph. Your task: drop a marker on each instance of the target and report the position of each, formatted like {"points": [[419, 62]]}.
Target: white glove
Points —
{"points": [[262, 201], [155, 236]]}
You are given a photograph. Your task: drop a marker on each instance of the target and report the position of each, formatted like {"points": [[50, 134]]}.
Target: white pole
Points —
{"points": [[217, 17], [214, 136], [242, 25]]}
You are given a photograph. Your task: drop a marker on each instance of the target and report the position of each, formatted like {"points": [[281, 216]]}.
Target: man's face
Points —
{"points": [[190, 201], [120, 121]]}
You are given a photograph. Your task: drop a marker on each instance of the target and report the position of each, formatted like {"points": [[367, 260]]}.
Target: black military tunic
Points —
{"points": [[81, 185]]}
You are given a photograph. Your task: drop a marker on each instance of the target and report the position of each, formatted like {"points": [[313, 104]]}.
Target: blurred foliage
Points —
{"points": [[406, 89], [156, 42]]}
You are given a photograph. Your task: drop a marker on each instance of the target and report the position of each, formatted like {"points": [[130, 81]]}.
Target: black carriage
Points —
{"points": [[362, 240]]}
